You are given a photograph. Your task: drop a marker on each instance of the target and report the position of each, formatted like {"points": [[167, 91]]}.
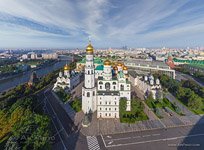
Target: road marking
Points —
{"points": [[103, 140], [92, 143], [155, 134], [146, 135], [142, 142], [136, 137], [55, 125], [110, 142], [119, 139]]}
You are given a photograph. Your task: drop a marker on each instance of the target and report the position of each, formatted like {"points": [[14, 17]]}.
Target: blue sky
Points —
{"points": [[109, 23]]}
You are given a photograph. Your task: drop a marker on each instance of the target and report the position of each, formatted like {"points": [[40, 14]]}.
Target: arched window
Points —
{"points": [[107, 86], [100, 82], [114, 83], [122, 87], [88, 72], [88, 94]]}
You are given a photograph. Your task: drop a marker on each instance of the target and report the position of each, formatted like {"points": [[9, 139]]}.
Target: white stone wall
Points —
{"points": [[108, 106], [88, 100]]}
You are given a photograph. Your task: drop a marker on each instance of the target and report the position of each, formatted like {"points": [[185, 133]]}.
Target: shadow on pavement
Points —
{"points": [[195, 138]]}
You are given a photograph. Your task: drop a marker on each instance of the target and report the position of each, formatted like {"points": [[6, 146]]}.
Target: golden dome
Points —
{"points": [[120, 64], [66, 67], [89, 49], [107, 63], [125, 68]]}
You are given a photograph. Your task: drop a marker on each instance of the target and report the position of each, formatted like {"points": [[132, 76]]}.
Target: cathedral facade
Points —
{"points": [[67, 80], [104, 86]]}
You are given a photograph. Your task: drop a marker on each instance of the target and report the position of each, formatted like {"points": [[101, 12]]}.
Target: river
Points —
{"points": [[23, 78]]}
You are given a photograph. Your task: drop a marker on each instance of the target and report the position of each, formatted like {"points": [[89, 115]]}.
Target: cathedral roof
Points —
{"points": [[99, 67], [107, 62], [66, 67], [89, 49]]}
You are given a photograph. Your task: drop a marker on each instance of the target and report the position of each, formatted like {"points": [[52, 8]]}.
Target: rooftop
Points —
{"points": [[148, 63], [99, 67]]}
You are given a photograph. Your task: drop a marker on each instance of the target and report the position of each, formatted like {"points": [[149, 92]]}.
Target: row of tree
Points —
{"points": [[191, 94], [23, 90]]}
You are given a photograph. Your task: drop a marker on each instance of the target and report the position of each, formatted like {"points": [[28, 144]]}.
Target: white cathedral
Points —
{"points": [[104, 86], [67, 80]]}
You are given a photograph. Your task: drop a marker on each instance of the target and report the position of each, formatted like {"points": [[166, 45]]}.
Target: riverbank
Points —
{"points": [[23, 72], [23, 78]]}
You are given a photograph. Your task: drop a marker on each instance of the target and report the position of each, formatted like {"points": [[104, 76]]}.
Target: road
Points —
{"points": [[69, 135], [168, 139], [180, 76]]}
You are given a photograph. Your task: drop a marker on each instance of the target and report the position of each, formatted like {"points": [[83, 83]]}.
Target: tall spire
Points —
{"points": [[89, 39]]}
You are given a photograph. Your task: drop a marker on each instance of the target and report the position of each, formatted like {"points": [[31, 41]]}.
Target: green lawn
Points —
{"points": [[154, 104], [136, 113], [76, 104], [64, 97]]}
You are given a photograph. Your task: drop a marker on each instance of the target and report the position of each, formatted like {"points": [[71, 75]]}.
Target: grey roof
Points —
{"points": [[135, 73], [150, 63]]}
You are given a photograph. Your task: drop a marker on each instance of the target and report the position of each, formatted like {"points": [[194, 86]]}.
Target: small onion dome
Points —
{"points": [[120, 64], [125, 68], [66, 67], [126, 75], [107, 63], [113, 64], [115, 68], [89, 49]]}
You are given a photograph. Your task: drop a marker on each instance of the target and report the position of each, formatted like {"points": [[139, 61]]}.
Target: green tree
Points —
{"points": [[195, 102]]}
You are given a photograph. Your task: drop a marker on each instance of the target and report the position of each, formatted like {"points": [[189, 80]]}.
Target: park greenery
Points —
{"points": [[158, 104], [136, 113], [76, 104], [187, 92], [63, 96], [198, 75], [22, 127], [22, 124]]}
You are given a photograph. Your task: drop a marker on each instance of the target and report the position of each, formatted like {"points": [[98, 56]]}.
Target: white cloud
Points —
{"points": [[122, 21]]}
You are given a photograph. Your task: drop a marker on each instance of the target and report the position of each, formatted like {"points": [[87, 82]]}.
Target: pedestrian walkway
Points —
{"points": [[183, 108], [92, 143]]}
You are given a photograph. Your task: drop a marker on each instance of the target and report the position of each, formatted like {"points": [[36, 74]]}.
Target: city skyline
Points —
{"points": [[62, 23]]}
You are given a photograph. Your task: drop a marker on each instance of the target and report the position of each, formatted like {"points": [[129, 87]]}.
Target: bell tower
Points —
{"points": [[89, 89]]}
